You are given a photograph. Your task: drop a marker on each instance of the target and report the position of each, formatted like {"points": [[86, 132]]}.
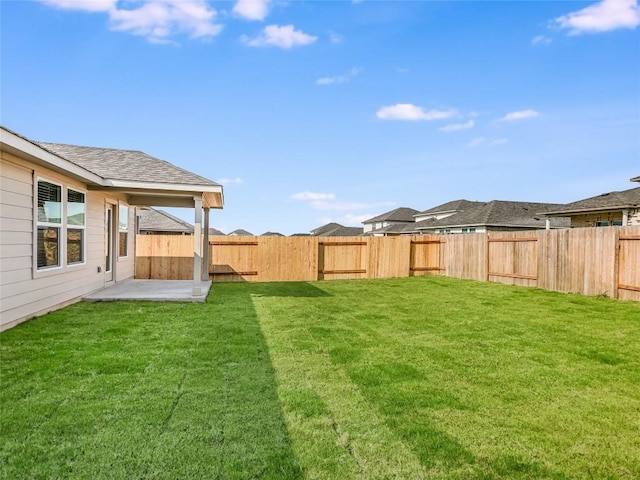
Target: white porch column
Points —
{"points": [[625, 217], [205, 247], [197, 247]]}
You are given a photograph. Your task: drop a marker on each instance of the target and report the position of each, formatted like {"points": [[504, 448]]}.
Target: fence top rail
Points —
{"points": [[629, 237], [426, 242], [336, 244], [232, 243]]}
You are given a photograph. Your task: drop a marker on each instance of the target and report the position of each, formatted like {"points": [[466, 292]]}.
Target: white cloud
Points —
{"points": [[282, 37], [230, 181], [519, 115], [338, 79], [83, 5], [456, 127], [348, 220], [313, 196], [601, 17], [156, 20], [252, 9], [410, 112], [486, 142], [326, 201], [540, 40]]}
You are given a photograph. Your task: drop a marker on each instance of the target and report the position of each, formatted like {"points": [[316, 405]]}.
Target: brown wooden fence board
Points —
{"points": [[591, 261]]}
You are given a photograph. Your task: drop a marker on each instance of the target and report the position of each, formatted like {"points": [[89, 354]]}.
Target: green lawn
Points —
{"points": [[410, 378]]}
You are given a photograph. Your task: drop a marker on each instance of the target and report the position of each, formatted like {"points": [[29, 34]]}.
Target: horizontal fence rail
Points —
{"points": [[592, 261]]}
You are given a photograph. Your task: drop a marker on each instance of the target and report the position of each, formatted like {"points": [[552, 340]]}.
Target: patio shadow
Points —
{"points": [[143, 390]]}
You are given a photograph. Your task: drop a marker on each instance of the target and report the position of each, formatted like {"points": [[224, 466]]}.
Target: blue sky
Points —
{"points": [[318, 111]]}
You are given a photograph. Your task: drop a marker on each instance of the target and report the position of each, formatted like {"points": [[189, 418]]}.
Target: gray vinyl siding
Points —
{"points": [[25, 293]]}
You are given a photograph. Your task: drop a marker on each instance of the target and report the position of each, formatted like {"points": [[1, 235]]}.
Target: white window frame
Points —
{"points": [[122, 204], [63, 265], [75, 227], [38, 224]]}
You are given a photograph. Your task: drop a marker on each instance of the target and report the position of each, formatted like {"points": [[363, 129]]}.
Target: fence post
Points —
{"points": [[616, 263]]}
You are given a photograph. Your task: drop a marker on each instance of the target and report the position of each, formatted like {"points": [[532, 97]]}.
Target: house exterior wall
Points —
{"points": [[437, 216], [26, 292], [591, 220]]}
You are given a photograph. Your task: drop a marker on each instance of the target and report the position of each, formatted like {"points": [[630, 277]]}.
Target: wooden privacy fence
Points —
{"points": [[592, 261]]}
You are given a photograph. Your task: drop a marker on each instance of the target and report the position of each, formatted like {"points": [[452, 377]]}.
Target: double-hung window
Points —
{"points": [[49, 224], [61, 225], [76, 222], [123, 230]]}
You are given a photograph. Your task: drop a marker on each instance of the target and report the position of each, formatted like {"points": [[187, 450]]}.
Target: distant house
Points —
{"points": [[479, 217], [68, 219], [336, 230], [609, 209], [446, 210], [215, 231], [399, 219], [239, 233], [272, 234], [152, 221]]}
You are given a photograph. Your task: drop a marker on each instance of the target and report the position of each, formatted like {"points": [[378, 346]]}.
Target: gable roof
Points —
{"points": [[240, 232], [145, 179], [215, 231], [155, 220], [606, 201], [129, 165], [272, 234], [497, 213], [402, 214], [453, 206], [336, 230]]}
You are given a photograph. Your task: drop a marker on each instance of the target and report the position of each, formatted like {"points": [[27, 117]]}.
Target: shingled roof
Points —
{"points": [[606, 201], [128, 165], [402, 214], [336, 230], [497, 213], [453, 206], [395, 228], [152, 220]]}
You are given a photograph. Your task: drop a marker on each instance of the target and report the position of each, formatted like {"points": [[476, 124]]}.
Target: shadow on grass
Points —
{"points": [[144, 390], [283, 289]]}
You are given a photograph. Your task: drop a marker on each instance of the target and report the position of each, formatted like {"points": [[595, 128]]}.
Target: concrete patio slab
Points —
{"points": [[152, 290]]}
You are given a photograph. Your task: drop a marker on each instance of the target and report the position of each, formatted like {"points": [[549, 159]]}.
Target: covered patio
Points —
{"points": [[152, 290], [150, 182]]}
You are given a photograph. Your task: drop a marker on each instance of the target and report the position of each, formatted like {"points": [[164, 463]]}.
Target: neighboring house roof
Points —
{"points": [[272, 234], [240, 232], [453, 206], [396, 228], [153, 220], [497, 213], [607, 201], [215, 231], [336, 230], [402, 214], [635, 179]]}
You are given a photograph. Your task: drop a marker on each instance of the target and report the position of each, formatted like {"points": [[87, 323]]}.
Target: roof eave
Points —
{"points": [[21, 147], [578, 211]]}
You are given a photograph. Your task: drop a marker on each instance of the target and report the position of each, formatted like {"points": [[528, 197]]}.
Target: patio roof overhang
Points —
{"points": [[165, 194], [587, 211]]}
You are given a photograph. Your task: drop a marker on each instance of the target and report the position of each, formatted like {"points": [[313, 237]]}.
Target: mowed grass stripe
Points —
{"points": [[476, 380]]}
